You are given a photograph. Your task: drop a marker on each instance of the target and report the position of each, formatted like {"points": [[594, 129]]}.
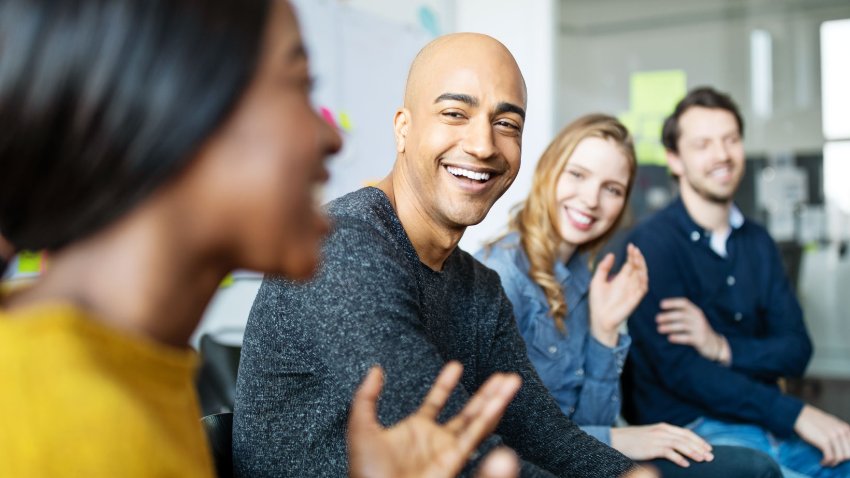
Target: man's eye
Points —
{"points": [[507, 124]]}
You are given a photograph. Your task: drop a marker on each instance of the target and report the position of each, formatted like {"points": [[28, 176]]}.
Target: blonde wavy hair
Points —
{"points": [[536, 219]]}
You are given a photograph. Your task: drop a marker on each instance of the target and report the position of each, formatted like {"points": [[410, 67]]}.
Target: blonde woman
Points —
{"points": [[570, 318]]}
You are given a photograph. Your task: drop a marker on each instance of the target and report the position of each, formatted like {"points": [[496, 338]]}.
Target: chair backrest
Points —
{"points": [[216, 381], [219, 429]]}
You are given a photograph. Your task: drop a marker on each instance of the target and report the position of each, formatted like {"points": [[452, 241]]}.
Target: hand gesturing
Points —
{"points": [[613, 300], [421, 447]]}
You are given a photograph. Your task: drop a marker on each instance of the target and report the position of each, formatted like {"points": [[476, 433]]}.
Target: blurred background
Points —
{"points": [[785, 62]]}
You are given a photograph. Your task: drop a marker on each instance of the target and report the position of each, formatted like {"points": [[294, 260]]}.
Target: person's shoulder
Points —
{"points": [[755, 229], [657, 229], [363, 219], [505, 251]]}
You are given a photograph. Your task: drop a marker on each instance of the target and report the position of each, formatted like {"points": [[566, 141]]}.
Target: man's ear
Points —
{"points": [[401, 125], [674, 162]]}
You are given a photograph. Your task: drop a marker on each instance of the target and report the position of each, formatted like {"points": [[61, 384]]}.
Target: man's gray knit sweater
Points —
{"points": [[308, 346]]}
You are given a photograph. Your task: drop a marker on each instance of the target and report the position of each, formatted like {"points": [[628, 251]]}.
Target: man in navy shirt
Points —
{"points": [[720, 323]]}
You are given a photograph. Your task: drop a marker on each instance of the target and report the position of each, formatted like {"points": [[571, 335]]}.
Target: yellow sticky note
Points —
{"points": [[657, 92], [227, 281], [650, 152], [29, 262], [345, 122], [629, 120]]}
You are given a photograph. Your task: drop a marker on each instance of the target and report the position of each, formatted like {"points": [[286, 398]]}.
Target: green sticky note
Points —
{"points": [[657, 92], [29, 262]]}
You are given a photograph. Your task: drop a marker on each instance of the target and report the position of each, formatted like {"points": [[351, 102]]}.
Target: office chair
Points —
{"points": [[216, 380], [219, 429]]}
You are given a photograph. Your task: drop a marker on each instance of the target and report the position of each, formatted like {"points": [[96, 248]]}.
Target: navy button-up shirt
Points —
{"points": [[581, 373], [745, 296]]}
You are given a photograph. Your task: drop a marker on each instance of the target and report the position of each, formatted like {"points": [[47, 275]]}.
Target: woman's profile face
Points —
{"points": [[259, 172], [591, 190]]}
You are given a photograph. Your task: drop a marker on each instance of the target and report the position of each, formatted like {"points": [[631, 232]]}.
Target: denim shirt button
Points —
{"points": [[694, 236], [738, 316], [571, 410], [552, 349], [580, 372], [613, 398], [730, 280]]}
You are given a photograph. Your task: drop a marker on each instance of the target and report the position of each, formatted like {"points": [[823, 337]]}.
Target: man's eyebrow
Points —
{"points": [[470, 100], [510, 108]]}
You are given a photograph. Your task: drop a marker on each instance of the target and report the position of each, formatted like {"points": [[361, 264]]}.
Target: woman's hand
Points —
{"points": [[421, 447], [613, 300], [661, 441]]}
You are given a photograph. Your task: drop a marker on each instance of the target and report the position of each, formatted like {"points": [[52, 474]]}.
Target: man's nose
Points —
{"points": [[478, 140]]}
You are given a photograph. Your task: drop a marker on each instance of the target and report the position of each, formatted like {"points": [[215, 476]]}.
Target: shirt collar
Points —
{"points": [[694, 231], [736, 217], [574, 275]]}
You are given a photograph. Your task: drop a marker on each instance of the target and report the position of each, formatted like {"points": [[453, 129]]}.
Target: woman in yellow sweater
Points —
{"points": [[152, 146]]}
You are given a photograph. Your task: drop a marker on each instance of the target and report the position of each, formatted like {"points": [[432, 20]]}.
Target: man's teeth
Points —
{"points": [[720, 172], [468, 174], [579, 217]]}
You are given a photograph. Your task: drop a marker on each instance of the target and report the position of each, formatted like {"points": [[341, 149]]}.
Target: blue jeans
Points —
{"points": [[797, 458], [729, 462]]}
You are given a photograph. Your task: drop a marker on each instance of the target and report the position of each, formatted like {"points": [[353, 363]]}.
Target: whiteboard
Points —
{"points": [[360, 62]]}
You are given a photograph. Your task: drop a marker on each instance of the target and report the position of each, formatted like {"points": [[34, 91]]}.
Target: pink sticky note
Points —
{"points": [[328, 116]]}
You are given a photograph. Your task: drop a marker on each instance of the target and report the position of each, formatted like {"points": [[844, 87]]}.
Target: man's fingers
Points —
{"points": [[673, 325], [499, 463], [828, 457], [488, 392], [693, 450], [844, 439], [364, 406], [441, 390], [671, 315], [683, 435], [476, 404], [675, 303], [676, 458], [681, 339], [480, 425]]}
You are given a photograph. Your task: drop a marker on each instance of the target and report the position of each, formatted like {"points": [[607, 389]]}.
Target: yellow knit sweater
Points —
{"points": [[78, 398]]}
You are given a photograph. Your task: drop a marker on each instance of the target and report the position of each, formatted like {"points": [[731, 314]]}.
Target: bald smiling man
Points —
{"points": [[394, 289]]}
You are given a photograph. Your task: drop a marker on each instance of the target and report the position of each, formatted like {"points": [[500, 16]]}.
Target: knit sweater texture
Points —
{"points": [[308, 346]]}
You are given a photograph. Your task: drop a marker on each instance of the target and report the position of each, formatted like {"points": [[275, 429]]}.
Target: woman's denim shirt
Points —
{"points": [[582, 374]]}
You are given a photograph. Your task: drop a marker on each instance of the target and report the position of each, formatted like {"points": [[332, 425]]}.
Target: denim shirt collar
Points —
{"points": [[574, 276]]}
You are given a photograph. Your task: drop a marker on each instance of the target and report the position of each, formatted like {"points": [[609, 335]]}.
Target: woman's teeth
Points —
{"points": [[579, 217]]}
